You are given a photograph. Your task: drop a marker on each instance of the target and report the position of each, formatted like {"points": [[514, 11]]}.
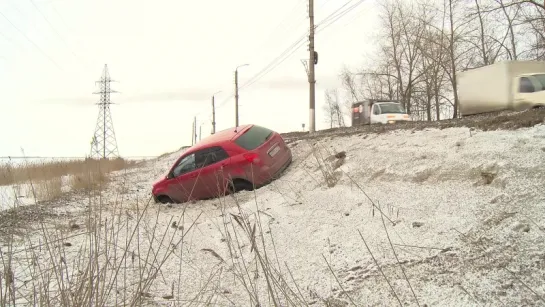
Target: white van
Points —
{"points": [[378, 112]]}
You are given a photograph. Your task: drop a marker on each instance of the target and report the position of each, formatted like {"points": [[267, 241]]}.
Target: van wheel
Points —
{"points": [[163, 199], [240, 185]]}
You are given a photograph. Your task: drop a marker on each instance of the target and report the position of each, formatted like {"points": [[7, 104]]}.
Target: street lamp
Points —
{"points": [[236, 93]]}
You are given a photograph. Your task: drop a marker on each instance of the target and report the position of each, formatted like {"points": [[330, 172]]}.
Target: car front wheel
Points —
{"points": [[163, 199]]}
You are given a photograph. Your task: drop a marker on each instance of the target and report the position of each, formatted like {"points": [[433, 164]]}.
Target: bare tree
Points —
{"points": [[483, 48], [537, 3], [453, 48], [532, 23], [513, 54], [393, 49], [424, 45], [333, 109], [413, 30]]}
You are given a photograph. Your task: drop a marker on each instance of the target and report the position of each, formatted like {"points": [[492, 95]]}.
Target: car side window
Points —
{"points": [[210, 156], [217, 154], [526, 85], [376, 110], [186, 165]]}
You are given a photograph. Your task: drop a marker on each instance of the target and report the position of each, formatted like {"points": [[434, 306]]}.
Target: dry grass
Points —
{"points": [[111, 258], [88, 181], [100, 261], [44, 171], [329, 165], [47, 190]]}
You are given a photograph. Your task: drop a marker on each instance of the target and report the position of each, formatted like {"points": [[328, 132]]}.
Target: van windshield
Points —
{"points": [[541, 79], [391, 108], [254, 137]]}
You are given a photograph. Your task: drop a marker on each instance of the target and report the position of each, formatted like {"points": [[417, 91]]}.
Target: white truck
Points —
{"points": [[376, 111], [508, 85]]}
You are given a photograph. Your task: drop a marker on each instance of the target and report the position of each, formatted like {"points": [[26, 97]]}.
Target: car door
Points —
{"points": [[375, 114], [183, 179], [211, 163]]}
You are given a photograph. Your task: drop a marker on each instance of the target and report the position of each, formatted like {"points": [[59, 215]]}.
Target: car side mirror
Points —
{"points": [[170, 175]]}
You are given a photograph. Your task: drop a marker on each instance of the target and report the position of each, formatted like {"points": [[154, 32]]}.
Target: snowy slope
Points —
{"points": [[464, 211]]}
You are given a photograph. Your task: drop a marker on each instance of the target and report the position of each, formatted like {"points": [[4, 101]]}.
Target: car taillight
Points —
{"points": [[251, 157]]}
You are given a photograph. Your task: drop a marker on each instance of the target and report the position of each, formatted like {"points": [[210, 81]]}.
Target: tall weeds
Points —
{"points": [[47, 190], [42, 171], [109, 258]]}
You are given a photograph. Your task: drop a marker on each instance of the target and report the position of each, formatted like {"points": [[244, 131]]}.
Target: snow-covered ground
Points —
{"points": [[463, 210]]}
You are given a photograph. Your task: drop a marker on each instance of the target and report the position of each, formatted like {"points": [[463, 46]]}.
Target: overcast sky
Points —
{"points": [[169, 57]]}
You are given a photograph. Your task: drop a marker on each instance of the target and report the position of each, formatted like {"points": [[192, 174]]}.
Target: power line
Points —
{"points": [[333, 13], [296, 48], [266, 70], [356, 17], [329, 20], [32, 42], [288, 52], [66, 45], [340, 15], [224, 102], [278, 26], [53, 28], [7, 38]]}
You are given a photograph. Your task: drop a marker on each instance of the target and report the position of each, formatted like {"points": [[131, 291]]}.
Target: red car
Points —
{"points": [[228, 161]]}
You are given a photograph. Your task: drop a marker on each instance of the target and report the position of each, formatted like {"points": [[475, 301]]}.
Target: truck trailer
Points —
{"points": [[507, 85], [377, 111]]}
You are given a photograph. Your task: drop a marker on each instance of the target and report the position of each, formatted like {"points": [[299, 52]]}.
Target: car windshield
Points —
{"points": [[253, 138], [391, 108]]}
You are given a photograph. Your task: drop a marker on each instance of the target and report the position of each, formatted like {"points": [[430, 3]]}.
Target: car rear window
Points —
{"points": [[254, 137]]}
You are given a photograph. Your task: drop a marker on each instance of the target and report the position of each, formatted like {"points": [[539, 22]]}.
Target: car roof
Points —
{"points": [[219, 137]]}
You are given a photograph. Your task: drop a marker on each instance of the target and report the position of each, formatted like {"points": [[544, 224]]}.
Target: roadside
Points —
{"points": [[504, 120]]}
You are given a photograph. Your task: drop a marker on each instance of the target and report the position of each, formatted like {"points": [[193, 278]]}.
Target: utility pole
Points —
{"points": [[195, 129], [236, 93], [193, 132], [311, 75], [236, 98], [213, 116], [200, 130], [214, 113]]}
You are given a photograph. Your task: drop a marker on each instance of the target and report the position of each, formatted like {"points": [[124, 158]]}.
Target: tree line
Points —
{"points": [[423, 44]]}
